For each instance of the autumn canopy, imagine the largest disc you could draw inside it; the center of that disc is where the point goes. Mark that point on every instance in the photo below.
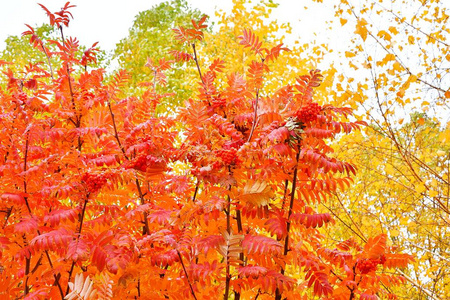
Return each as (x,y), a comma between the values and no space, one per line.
(217,163)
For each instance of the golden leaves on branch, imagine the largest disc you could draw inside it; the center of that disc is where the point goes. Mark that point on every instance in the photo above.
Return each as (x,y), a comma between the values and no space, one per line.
(231,248)
(81,289)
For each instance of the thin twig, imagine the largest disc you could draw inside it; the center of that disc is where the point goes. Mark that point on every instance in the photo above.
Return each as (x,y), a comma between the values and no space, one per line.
(48,59)
(80,228)
(146,228)
(186,274)
(196,62)
(278,293)
(196,191)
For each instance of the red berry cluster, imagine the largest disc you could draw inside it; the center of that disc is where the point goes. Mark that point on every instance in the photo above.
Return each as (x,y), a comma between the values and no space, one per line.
(308,112)
(228,156)
(139,163)
(20,98)
(93,182)
(368,265)
(218,102)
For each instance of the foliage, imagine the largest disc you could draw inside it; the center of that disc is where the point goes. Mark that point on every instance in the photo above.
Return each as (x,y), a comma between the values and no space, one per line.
(256,15)
(151,37)
(18,48)
(95,185)
(19,51)
(397,77)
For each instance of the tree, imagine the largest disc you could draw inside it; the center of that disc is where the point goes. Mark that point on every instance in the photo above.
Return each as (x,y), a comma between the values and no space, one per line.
(399,52)
(101,196)
(149,40)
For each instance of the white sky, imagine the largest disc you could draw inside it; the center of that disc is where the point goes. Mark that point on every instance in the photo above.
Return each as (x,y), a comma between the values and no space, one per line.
(108,21)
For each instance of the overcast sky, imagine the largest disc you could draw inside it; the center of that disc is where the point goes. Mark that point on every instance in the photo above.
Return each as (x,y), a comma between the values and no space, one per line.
(108,21)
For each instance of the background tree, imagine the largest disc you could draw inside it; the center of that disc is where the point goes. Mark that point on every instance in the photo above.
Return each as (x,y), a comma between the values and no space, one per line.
(396,75)
(151,37)
(18,48)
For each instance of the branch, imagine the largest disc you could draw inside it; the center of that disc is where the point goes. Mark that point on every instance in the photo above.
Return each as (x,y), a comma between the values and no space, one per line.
(48,59)
(196,191)
(186,274)
(255,116)
(78,117)
(345,224)
(256,111)
(278,293)
(80,220)
(196,62)
(145,229)
(228,275)
(116,135)
(427,292)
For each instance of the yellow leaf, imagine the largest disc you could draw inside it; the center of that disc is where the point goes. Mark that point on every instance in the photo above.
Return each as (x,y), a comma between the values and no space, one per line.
(394,232)
(425,103)
(421,121)
(349,54)
(412,78)
(411,39)
(384,34)
(257,193)
(434,183)
(389,57)
(433,193)
(343,21)
(389,169)
(361,29)
(397,66)
(421,188)
(445,136)
(393,30)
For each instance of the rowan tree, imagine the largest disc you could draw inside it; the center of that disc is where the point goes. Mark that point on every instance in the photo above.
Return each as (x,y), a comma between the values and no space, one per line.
(102,197)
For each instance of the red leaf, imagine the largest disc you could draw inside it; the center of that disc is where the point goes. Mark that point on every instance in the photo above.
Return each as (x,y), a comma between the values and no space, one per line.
(261,245)
(277,226)
(77,250)
(376,246)
(56,216)
(15,198)
(252,271)
(249,39)
(27,224)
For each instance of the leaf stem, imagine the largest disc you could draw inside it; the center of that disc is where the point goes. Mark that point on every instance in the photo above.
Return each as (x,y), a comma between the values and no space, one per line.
(196,191)
(186,274)
(255,116)
(48,59)
(78,117)
(196,62)
(116,135)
